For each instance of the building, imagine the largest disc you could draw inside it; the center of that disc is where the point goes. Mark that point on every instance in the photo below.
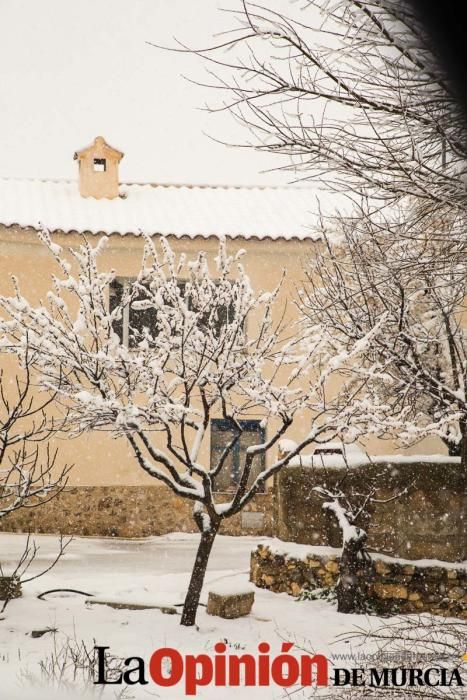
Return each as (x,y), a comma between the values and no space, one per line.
(109,493)
(269,223)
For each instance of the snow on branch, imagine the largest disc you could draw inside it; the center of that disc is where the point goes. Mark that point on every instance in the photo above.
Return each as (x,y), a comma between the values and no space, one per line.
(183,358)
(350,92)
(387,281)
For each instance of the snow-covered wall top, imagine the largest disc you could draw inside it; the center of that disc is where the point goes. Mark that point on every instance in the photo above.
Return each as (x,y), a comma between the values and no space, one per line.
(177,210)
(354,459)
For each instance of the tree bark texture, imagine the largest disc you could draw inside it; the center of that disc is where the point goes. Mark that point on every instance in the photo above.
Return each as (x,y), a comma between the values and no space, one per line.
(351,588)
(193,594)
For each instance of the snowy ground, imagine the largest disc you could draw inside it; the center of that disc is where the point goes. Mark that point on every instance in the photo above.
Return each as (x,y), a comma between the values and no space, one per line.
(153,570)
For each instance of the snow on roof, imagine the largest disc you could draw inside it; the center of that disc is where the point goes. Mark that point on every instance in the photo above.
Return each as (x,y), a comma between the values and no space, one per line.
(271,212)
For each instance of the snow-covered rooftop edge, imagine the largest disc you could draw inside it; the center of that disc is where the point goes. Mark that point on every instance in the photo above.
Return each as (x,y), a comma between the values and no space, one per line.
(178,210)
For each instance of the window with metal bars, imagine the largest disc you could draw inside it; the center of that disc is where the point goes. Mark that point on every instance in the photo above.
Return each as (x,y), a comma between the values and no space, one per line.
(130,328)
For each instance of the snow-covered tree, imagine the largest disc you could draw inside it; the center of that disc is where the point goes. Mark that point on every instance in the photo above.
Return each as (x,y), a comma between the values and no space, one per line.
(199,345)
(372,273)
(350,509)
(353,92)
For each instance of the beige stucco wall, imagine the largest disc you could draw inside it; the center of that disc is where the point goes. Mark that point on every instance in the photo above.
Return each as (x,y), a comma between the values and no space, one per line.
(99,459)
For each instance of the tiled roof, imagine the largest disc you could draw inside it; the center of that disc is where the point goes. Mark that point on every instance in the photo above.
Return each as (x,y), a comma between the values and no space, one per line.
(270,212)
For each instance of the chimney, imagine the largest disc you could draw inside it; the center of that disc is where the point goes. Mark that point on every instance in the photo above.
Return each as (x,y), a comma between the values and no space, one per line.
(98,170)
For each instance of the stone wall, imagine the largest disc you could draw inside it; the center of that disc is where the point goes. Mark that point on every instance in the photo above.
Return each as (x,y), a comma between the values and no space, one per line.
(427,522)
(131,511)
(391,586)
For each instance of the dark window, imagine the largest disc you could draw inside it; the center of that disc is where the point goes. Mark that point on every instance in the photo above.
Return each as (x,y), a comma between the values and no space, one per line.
(100,165)
(218,318)
(130,328)
(214,319)
(222,434)
(115,298)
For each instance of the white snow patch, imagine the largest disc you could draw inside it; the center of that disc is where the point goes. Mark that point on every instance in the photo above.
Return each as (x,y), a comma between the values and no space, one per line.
(155,568)
(262,212)
(360,459)
(292,550)
(231,586)
(285,445)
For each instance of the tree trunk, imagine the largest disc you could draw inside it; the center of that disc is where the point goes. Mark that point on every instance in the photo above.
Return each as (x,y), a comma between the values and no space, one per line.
(351,588)
(193,594)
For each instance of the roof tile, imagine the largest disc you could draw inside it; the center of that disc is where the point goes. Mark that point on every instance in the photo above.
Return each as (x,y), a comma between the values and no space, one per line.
(282,212)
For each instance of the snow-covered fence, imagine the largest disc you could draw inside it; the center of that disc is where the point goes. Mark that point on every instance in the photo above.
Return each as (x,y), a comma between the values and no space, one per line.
(391,585)
(425,522)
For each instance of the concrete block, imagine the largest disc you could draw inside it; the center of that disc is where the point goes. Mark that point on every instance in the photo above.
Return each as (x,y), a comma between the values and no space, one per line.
(230,605)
